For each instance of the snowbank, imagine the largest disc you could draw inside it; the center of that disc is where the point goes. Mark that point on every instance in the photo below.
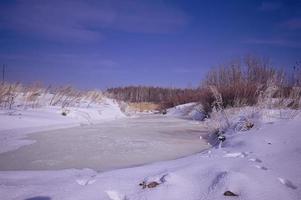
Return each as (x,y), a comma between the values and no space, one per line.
(262,163)
(16,124)
(188,111)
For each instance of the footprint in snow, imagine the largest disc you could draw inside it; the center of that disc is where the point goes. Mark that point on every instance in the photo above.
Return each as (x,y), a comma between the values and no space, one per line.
(114,195)
(260,167)
(287,183)
(236,155)
(218,180)
(86,177)
(255,160)
(85,182)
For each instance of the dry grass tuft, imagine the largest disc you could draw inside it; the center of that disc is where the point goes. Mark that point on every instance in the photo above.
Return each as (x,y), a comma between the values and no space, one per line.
(35,95)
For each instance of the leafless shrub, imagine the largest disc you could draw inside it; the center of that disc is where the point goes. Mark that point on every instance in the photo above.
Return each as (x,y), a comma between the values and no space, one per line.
(295,96)
(58,95)
(290,97)
(218,104)
(93,97)
(277,96)
(296,74)
(65,96)
(70,97)
(33,94)
(245,83)
(260,71)
(206,98)
(3,92)
(8,94)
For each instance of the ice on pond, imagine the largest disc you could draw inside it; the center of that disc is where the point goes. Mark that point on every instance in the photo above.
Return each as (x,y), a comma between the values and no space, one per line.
(116,144)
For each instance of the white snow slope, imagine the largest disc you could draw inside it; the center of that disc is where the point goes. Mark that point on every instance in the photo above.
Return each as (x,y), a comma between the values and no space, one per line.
(191,111)
(262,163)
(17,123)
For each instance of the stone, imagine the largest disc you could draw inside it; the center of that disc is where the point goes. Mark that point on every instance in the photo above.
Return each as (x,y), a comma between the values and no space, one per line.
(229,193)
(152,184)
(221,138)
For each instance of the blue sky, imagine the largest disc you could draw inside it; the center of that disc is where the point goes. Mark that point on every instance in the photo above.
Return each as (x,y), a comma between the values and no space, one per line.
(100,44)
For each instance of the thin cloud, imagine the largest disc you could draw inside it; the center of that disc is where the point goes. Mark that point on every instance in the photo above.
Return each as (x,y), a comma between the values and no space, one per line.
(86,20)
(69,60)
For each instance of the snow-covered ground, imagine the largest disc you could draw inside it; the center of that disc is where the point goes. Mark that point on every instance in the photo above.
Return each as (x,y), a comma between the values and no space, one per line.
(17,123)
(191,111)
(261,163)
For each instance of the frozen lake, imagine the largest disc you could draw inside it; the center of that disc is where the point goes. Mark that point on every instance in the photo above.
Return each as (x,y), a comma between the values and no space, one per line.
(105,146)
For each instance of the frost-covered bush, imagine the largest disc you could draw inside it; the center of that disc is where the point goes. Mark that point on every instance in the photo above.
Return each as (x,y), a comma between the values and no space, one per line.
(249,82)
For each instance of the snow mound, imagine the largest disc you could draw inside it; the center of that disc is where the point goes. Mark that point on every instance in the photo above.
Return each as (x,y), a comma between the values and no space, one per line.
(191,111)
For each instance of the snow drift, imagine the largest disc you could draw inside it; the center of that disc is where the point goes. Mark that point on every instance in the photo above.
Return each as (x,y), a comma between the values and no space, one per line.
(188,111)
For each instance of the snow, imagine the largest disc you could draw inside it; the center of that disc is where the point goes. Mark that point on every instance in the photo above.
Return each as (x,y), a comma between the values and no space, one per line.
(188,111)
(17,123)
(260,163)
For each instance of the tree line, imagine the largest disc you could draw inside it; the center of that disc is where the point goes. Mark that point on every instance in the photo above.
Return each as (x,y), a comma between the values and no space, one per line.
(166,97)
